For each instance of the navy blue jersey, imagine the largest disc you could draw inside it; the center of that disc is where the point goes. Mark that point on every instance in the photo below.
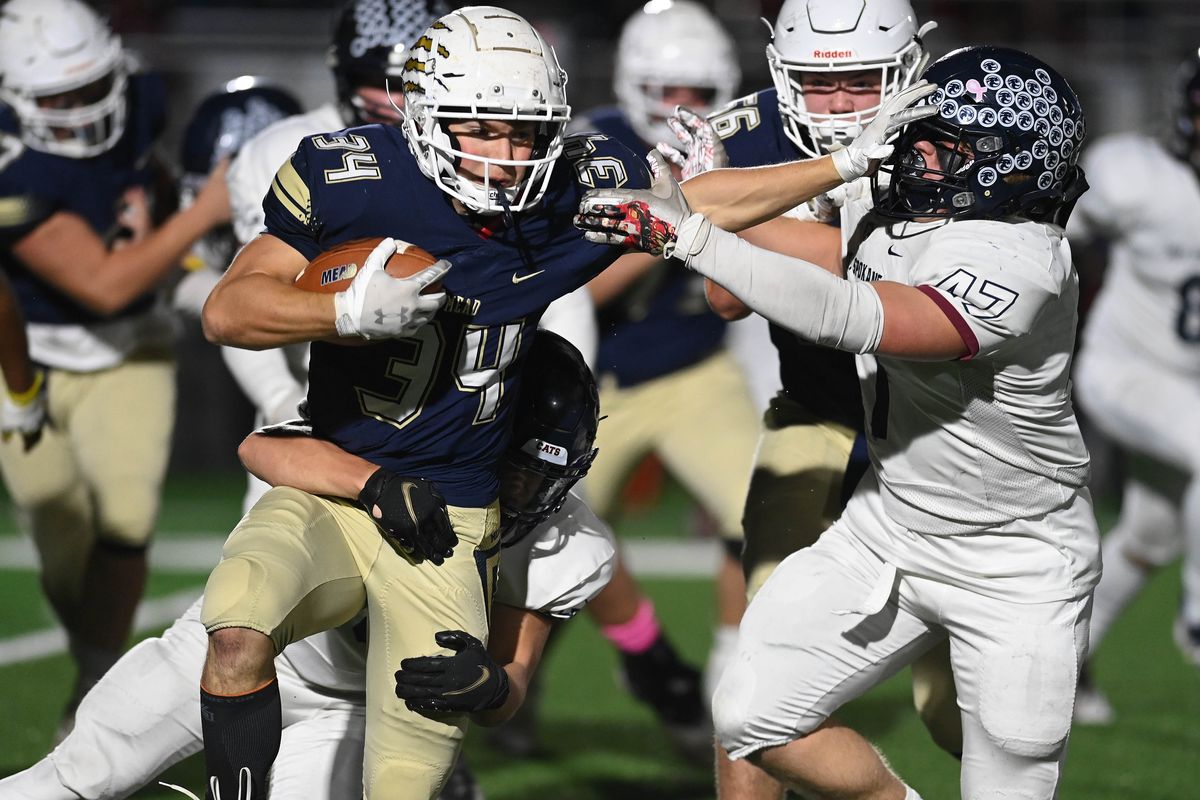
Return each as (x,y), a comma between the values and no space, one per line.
(35,185)
(661,323)
(822,380)
(437,405)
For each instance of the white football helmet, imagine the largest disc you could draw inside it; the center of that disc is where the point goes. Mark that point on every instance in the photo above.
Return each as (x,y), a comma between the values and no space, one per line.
(672,43)
(64,73)
(483,62)
(823,36)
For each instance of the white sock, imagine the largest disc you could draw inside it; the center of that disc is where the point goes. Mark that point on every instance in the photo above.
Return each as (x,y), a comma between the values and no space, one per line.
(911,793)
(723,648)
(1120,583)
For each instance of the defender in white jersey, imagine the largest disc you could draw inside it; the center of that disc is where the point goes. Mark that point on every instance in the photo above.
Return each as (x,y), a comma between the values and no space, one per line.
(1138,374)
(975,522)
(143,716)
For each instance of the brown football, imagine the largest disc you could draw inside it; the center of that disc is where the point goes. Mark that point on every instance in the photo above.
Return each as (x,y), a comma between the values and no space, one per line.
(333,270)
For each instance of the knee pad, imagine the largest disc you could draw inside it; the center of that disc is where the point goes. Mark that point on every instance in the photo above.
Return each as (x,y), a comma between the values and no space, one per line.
(1027,691)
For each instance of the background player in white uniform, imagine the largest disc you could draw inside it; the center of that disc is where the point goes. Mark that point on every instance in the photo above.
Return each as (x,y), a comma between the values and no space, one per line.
(87,238)
(142,717)
(1138,374)
(976,521)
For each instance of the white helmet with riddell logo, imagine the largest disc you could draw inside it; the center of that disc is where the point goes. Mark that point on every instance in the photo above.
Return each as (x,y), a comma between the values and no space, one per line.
(672,43)
(485,63)
(63,72)
(830,36)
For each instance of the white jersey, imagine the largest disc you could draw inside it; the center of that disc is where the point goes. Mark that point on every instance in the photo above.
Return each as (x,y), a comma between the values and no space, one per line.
(1146,203)
(971,445)
(250,175)
(555,570)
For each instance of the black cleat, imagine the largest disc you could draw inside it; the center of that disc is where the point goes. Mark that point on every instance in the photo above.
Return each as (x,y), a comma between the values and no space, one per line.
(673,690)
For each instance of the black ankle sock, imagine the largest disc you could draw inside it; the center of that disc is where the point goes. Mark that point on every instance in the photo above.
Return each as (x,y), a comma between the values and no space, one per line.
(240,732)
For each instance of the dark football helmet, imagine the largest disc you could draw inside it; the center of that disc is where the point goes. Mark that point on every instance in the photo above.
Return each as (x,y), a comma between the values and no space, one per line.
(553,434)
(370,45)
(221,124)
(1007,137)
(1185,107)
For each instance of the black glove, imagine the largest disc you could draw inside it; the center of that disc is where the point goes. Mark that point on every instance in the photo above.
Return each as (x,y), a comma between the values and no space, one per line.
(465,682)
(411,515)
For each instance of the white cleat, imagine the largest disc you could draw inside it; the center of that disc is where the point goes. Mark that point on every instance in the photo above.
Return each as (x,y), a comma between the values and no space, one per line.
(1187,639)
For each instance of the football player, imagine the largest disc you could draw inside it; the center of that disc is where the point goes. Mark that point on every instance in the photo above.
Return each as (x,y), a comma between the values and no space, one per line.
(24,406)
(142,717)
(482,148)
(811,451)
(975,521)
(369,46)
(87,238)
(661,347)
(1140,361)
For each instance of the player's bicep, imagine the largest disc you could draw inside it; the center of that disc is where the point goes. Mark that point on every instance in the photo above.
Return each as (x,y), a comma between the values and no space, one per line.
(919,325)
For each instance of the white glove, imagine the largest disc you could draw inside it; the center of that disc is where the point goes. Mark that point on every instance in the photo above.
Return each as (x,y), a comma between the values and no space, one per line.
(378,306)
(702,148)
(856,159)
(25,412)
(644,219)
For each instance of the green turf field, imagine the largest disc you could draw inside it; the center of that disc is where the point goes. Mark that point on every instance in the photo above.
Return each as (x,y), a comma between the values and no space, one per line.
(601,744)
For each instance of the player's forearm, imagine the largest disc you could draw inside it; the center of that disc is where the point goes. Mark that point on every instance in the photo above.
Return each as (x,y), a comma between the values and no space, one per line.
(736,199)
(518,688)
(257,311)
(620,275)
(311,465)
(14,348)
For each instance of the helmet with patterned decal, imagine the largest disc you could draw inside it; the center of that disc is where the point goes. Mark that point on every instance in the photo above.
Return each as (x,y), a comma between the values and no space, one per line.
(1006,138)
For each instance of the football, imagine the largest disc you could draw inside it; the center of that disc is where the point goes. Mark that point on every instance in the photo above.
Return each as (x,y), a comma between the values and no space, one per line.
(334,269)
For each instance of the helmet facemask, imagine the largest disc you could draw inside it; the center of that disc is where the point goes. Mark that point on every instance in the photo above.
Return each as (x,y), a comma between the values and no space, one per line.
(443,153)
(533,489)
(81,120)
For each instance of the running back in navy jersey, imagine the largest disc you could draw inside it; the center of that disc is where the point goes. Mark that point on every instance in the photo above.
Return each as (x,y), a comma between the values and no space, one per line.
(437,405)
(36,185)
(822,380)
(662,323)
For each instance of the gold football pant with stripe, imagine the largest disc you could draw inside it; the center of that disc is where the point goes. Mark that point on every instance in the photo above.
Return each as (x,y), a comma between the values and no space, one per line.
(795,494)
(97,473)
(298,564)
(699,420)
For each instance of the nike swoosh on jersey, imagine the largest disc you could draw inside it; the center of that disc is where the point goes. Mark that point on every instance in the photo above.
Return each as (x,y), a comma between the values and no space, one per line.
(484,674)
(518,278)
(893,253)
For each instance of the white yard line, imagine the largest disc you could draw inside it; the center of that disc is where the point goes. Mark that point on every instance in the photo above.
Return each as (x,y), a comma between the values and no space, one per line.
(198,552)
(152,614)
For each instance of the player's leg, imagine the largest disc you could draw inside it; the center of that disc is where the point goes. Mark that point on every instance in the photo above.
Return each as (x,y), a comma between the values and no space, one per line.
(121,435)
(707,442)
(287,571)
(626,616)
(321,749)
(409,755)
(137,721)
(1015,668)
(831,622)
(795,495)
(936,700)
